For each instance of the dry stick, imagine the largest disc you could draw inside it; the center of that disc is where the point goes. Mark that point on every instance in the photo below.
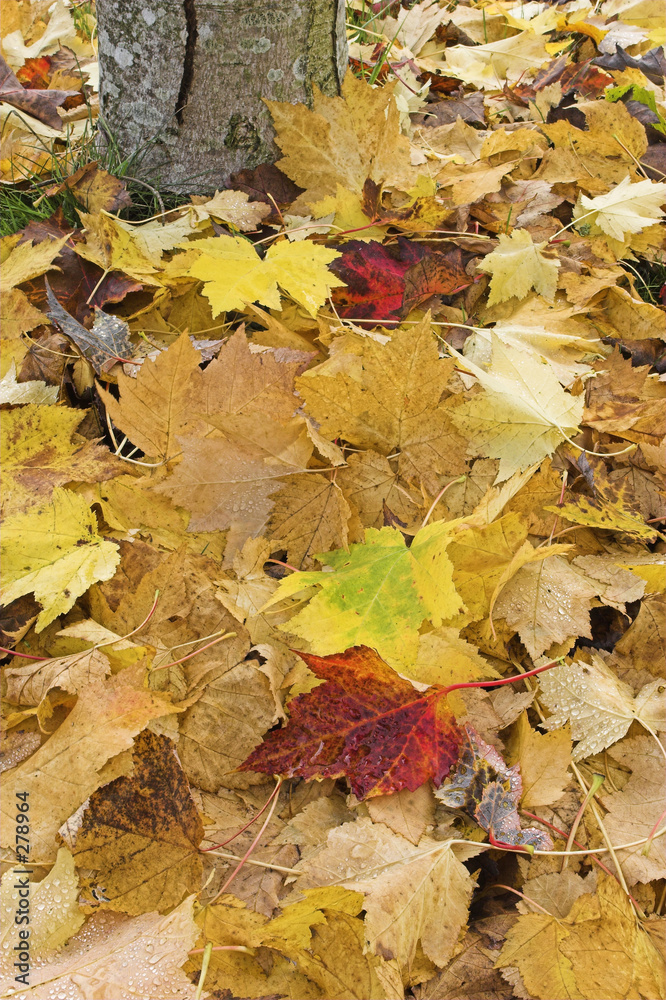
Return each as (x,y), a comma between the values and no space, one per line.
(250,848)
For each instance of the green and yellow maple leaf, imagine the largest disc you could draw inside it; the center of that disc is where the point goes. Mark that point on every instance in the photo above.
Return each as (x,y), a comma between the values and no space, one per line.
(378,594)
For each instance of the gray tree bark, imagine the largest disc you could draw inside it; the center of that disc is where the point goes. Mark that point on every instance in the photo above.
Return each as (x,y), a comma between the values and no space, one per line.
(182,81)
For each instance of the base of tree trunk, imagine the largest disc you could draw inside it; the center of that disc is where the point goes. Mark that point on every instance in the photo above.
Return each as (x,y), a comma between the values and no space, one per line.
(182,81)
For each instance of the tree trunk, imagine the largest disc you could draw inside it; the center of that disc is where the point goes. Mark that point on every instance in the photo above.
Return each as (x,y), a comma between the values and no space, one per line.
(182,81)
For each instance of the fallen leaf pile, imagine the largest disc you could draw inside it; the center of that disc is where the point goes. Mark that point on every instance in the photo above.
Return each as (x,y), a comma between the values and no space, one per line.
(298,477)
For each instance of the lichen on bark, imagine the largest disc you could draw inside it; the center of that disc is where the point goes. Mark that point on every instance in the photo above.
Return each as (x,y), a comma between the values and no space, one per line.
(183,81)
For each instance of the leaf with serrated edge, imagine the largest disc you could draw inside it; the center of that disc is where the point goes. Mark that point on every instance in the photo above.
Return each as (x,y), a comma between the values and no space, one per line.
(599,706)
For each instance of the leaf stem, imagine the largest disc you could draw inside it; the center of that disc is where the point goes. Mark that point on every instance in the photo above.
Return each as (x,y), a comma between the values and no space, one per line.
(504,680)
(249,823)
(26,656)
(460,479)
(207,951)
(251,847)
(227,635)
(597,782)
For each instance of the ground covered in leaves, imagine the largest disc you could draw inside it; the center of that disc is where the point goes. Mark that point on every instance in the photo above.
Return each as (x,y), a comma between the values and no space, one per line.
(298,476)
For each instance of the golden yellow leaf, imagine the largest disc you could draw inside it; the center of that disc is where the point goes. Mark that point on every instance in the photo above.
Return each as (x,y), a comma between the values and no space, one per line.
(598,950)
(422,899)
(310,515)
(388,400)
(113,248)
(41,453)
(54,551)
(28,261)
(543,759)
(156,405)
(489,66)
(234,274)
(18,315)
(443,657)
(53,912)
(342,141)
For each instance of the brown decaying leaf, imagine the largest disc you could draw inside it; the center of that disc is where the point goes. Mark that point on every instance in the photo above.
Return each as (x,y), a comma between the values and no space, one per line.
(400,465)
(140,834)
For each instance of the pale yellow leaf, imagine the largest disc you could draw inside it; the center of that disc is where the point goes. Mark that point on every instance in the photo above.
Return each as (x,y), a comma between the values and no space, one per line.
(518,265)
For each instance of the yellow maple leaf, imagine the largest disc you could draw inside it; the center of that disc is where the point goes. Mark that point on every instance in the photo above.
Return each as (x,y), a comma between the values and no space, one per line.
(627,208)
(518,265)
(27,261)
(54,912)
(544,759)
(403,902)
(234,274)
(598,950)
(522,416)
(155,406)
(109,245)
(387,397)
(40,453)
(343,141)
(55,552)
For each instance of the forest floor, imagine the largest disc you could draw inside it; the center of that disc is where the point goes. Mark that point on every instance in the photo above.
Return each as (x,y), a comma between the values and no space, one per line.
(333,526)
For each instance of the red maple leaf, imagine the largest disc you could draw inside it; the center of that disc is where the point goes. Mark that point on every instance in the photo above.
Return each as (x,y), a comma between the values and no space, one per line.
(385,283)
(366,724)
